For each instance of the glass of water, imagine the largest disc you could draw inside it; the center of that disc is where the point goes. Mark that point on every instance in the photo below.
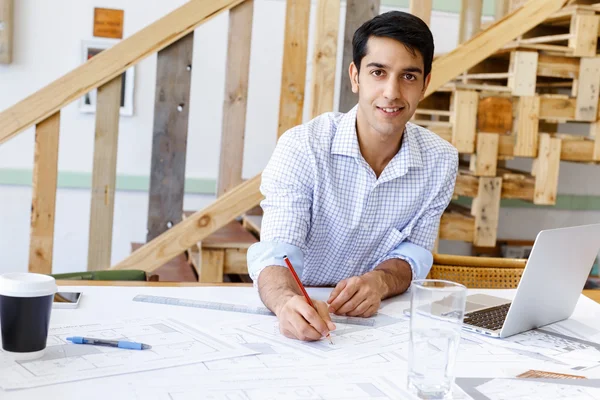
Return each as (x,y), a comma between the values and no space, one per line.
(437,309)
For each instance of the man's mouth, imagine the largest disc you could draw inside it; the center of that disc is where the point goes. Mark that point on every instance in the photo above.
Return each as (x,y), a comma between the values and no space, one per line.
(391,110)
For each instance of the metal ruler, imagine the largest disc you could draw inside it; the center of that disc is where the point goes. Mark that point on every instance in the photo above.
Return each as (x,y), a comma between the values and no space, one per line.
(211,305)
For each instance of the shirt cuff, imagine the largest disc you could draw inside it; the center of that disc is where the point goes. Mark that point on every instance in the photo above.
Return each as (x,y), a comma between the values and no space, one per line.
(419,258)
(264,254)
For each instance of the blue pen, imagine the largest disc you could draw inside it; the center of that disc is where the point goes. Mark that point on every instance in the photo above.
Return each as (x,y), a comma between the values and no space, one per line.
(122,344)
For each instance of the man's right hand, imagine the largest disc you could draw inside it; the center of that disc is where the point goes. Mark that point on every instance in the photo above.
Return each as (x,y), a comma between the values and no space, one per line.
(298,320)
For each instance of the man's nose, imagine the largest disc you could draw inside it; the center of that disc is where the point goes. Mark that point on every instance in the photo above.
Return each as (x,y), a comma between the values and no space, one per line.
(392,90)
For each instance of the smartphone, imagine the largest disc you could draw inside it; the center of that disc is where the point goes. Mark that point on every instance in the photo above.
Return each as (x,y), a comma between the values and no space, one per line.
(66,300)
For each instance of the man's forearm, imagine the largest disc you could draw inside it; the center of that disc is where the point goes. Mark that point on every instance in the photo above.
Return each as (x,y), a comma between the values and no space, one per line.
(393,276)
(275,286)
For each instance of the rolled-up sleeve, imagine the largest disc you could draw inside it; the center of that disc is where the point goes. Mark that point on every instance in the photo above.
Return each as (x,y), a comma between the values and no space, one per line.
(287,184)
(416,249)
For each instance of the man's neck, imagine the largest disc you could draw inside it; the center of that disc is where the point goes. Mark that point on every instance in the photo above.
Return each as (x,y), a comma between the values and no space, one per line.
(377,150)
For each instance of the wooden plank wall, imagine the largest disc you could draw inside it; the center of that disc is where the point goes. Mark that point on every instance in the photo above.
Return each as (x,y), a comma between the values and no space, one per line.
(6,31)
(104,175)
(357,12)
(45,172)
(293,74)
(236,96)
(169,136)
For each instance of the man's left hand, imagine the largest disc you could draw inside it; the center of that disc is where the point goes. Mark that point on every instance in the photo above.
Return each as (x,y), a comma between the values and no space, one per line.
(359,296)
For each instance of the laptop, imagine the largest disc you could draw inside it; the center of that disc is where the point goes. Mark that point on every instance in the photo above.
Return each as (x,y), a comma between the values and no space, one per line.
(554,276)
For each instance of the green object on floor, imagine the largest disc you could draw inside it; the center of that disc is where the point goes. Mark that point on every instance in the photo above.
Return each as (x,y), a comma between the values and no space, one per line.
(120,275)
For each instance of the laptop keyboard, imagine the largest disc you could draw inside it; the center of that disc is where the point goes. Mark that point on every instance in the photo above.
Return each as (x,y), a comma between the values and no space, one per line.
(491,318)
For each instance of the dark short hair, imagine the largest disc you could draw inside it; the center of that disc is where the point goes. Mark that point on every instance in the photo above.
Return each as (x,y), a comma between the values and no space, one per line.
(406,28)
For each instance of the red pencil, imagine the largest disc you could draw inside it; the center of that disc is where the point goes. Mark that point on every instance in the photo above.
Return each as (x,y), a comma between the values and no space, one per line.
(301,286)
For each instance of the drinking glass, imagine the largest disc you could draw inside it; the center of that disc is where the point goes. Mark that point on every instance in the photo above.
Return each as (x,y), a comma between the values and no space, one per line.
(437,310)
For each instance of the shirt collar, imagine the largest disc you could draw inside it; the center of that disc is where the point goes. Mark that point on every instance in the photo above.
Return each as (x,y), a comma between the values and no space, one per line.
(409,156)
(345,142)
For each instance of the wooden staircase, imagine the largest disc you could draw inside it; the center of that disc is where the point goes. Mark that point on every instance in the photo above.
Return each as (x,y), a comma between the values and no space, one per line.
(170,235)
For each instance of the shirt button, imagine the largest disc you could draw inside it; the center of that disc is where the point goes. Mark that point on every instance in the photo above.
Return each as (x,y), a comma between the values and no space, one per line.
(365,226)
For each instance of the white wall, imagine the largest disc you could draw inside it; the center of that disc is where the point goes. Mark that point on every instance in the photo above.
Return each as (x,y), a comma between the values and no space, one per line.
(47,44)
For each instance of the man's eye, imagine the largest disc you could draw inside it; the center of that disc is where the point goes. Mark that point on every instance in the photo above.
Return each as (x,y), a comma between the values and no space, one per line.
(410,77)
(377,72)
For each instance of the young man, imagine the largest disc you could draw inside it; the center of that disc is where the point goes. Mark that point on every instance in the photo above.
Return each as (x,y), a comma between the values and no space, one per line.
(354,200)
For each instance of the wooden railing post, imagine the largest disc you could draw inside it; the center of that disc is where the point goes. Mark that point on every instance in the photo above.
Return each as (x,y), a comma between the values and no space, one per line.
(6,31)
(169,136)
(422,9)
(357,13)
(325,57)
(104,174)
(45,171)
(470,19)
(236,96)
(293,74)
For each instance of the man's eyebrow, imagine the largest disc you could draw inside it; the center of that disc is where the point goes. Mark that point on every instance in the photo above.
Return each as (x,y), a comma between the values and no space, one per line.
(377,65)
(413,69)
(407,69)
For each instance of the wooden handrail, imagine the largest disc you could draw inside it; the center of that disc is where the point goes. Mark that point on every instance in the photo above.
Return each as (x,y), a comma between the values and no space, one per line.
(195,228)
(247,195)
(108,64)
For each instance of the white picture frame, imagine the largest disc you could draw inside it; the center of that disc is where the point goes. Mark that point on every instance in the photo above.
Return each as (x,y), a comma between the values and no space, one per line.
(87,103)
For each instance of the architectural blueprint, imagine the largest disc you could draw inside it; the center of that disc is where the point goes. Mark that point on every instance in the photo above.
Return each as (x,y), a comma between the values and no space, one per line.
(294,384)
(525,389)
(173,344)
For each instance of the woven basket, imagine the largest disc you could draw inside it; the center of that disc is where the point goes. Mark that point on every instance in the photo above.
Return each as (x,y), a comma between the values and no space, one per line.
(478,272)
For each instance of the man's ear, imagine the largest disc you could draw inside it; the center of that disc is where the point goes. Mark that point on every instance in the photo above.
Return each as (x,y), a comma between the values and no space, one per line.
(425,85)
(353,73)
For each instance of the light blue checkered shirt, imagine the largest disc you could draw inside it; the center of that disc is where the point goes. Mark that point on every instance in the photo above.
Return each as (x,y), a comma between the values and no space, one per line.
(327,211)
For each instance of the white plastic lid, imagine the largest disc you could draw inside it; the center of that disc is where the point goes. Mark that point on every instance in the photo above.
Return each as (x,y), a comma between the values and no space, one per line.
(27,285)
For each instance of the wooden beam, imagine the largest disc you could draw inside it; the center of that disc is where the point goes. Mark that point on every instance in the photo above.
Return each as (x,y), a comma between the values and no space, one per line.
(487,42)
(523,69)
(45,171)
(211,266)
(527,126)
(470,19)
(6,31)
(464,120)
(557,108)
(586,108)
(357,13)
(584,31)
(169,136)
(325,57)
(195,228)
(104,175)
(486,158)
(293,74)
(557,66)
(236,96)
(457,224)
(109,64)
(486,210)
(422,9)
(546,170)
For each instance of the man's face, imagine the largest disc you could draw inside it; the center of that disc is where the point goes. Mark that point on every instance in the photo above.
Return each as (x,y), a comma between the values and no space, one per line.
(390,85)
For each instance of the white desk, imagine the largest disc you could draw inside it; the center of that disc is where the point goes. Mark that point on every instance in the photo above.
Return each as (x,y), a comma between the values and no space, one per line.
(100,303)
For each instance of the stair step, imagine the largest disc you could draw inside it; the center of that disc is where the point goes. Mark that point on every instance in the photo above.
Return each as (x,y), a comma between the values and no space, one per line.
(176,270)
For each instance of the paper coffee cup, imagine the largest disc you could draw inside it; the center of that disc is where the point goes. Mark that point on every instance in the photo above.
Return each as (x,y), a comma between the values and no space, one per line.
(25,308)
